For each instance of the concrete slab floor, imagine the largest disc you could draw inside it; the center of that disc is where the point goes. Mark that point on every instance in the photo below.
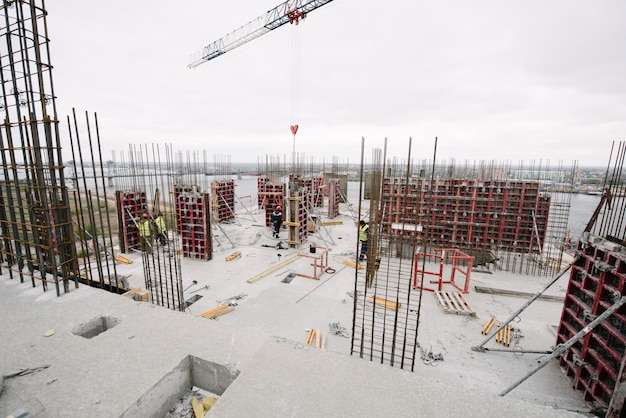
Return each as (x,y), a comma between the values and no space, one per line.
(262,342)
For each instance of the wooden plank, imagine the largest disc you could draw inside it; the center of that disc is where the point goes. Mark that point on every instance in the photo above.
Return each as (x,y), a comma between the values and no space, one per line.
(352,264)
(385,303)
(217,311)
(234,256)
(123,259)
(441,302)
(516,293)
(462,303)
(272,269)
(132,292)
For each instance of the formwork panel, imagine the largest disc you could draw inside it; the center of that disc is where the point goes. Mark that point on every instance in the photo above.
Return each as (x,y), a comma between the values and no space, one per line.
(597,281)
(193,220)
(131,205)
(270,194)
(334,197)
(223,200)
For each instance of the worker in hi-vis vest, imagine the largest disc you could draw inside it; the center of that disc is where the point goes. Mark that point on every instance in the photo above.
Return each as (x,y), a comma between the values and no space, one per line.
(363,235)
(145,233)
(161,228)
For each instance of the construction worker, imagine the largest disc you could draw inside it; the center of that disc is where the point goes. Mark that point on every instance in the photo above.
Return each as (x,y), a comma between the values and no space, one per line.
(363,236)
(145,233)
(161,228)
(277,220)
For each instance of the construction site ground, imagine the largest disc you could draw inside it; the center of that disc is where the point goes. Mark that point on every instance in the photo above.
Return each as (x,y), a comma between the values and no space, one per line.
(264,339)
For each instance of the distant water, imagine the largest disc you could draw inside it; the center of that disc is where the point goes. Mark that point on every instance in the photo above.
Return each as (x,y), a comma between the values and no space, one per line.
(581,210)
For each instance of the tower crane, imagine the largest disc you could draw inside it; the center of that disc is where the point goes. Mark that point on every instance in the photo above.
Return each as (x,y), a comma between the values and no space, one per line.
(291,11)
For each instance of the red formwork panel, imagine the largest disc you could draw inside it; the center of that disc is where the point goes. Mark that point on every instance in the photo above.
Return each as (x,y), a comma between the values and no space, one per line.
(315,194)
(467,212)
(131,205)
(597,280)
(193,220)
(270,194)
(223,200)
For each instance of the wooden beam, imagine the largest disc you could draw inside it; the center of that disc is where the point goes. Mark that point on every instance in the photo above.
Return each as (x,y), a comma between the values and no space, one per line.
(272,269)
(384,302)
(515,293)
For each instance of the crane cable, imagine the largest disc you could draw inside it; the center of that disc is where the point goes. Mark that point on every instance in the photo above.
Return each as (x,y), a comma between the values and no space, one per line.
(295,84)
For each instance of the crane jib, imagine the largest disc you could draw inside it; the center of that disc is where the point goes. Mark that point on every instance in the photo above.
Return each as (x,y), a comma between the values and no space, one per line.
(286,12)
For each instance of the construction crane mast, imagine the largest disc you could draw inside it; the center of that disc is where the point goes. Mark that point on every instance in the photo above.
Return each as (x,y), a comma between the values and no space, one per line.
(291,11)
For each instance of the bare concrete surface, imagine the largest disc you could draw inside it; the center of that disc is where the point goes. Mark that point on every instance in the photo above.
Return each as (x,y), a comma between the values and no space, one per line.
(255,356)
(106,375)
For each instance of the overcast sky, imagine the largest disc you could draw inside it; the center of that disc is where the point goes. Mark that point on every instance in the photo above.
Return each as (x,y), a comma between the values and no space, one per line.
(493,80)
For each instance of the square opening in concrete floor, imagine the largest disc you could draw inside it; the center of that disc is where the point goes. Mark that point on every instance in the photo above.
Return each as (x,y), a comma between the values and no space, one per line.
(189,373)
(95,327)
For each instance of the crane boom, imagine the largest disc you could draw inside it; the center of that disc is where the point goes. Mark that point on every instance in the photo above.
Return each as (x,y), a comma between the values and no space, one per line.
(288,12)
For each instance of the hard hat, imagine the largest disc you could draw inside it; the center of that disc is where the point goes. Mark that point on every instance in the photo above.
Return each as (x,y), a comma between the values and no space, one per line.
(278,207)
(362,222)
(145,215)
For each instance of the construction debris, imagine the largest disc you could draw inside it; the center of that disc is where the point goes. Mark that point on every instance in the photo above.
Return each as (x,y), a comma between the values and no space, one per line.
(196,402)
(429,358)
(231,300)
(336,328)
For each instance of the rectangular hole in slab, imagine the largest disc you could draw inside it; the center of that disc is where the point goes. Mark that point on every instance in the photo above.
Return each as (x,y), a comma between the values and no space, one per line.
(192,300)
(95,327)
(192,374)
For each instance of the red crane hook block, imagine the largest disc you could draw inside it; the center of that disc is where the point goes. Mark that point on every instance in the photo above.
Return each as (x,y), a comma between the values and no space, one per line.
(294,129)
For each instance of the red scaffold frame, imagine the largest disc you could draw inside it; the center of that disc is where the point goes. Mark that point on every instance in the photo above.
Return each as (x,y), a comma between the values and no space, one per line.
(320,261)
(442,254)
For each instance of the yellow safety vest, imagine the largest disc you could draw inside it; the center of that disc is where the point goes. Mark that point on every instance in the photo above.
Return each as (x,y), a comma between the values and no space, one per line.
(363,232)
(160,224)
(144,229)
